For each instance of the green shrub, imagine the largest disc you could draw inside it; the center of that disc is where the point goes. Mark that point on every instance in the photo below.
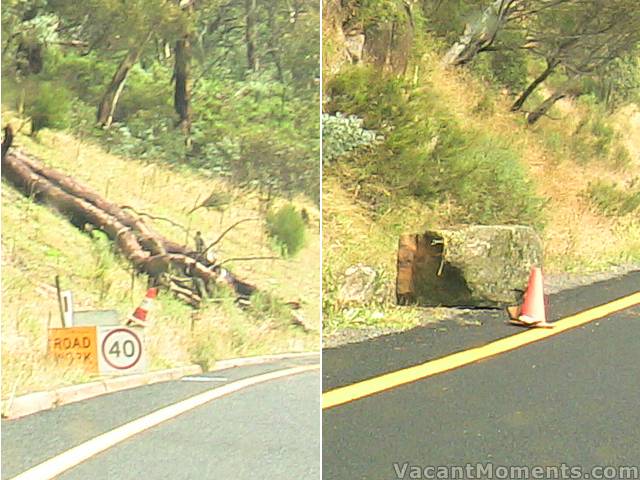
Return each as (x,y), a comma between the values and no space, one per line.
(510,70)
(366,93)
(48,106)
(509,65)
(506,67)
(617,84)
(86,76)
(286,228)
(146,90)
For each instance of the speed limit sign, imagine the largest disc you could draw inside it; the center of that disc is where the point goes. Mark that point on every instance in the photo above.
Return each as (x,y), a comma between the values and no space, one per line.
(121,350)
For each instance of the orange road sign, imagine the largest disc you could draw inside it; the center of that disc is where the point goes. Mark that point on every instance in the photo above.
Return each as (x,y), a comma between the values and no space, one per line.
(75,346)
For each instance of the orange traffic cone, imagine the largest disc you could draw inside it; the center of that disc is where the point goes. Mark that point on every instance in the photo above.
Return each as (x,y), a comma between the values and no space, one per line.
(139,317)
(533,313)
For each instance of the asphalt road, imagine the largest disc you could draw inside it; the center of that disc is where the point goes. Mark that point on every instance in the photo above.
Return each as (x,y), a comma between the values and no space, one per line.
(572,399)
(268,430)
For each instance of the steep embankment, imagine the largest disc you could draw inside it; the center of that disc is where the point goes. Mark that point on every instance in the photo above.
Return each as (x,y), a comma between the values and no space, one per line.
(38,244)
(583,165)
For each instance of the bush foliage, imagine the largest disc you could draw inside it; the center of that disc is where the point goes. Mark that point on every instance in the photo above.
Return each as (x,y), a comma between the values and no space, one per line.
(48,104)
(342,134)
(287,229)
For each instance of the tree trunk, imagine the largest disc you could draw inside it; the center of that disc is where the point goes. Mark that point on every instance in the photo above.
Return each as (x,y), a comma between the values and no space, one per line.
(112,94)
(517,105)
(250,34)
(30,58)
(545,106)
(479,35)
(274,49)
(148,251)
(182,96)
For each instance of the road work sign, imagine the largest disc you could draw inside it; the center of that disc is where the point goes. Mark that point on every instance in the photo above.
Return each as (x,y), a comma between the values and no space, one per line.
(112,350)
(75,346)
(121,350)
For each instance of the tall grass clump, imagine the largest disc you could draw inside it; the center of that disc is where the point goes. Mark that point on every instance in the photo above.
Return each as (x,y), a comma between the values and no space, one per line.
(612,200)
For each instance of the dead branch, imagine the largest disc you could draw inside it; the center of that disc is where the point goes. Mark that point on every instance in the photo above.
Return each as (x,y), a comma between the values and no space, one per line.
(153,217)
(221,236)
(245,259)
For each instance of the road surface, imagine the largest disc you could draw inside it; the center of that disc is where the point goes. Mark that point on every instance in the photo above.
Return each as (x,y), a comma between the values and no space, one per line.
(572,398)
(269,429)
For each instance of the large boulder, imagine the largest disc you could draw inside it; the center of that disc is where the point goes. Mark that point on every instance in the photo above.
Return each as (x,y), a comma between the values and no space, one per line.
(472,266)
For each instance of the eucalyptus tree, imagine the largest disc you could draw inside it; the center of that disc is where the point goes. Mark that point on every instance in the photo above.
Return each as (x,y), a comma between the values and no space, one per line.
(579,39)
(122,30)
(491,19)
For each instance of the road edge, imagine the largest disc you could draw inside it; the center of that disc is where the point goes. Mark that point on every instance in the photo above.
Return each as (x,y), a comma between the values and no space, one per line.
(23,405)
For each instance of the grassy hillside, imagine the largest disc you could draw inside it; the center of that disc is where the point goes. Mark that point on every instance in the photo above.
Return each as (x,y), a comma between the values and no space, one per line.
(38,243)
(449,151)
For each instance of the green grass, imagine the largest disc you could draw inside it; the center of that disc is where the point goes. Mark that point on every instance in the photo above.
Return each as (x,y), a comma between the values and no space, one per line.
(428,155)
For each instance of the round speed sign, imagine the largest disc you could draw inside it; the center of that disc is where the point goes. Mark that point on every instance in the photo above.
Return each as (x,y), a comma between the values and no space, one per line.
(121,348)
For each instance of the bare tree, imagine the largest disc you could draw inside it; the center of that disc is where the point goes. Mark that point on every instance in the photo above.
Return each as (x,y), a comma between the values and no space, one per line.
(581,38)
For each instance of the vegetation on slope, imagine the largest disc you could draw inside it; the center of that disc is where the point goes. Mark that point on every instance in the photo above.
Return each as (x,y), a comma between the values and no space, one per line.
(157,105)
(38,244)
(449,149)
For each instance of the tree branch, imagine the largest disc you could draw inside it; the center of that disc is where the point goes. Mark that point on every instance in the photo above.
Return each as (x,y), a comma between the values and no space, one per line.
(217,240)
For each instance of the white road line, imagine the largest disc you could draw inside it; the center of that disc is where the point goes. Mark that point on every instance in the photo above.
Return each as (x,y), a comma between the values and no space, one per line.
(203,379)
(66,460)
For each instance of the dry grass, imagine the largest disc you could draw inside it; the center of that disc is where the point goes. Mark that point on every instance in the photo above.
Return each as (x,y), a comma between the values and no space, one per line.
(577,237)
(38,244)
(350,236)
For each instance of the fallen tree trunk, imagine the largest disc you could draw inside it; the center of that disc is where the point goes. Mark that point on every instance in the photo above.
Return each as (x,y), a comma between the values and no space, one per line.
(148,251)
(149,239)
(77,209)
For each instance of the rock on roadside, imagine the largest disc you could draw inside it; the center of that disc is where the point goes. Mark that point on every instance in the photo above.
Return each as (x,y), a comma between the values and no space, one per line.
(472,266)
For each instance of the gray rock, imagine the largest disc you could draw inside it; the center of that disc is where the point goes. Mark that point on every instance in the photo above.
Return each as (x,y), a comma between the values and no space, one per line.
(354,43)
(357,286)
(473,266)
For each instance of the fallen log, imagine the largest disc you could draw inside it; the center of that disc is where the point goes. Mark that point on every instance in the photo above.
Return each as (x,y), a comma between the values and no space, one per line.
(148,251)
(149,239)
(40,189)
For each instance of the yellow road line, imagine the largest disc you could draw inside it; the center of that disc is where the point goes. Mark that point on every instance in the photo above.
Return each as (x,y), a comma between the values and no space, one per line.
(374,385)
(69,459)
